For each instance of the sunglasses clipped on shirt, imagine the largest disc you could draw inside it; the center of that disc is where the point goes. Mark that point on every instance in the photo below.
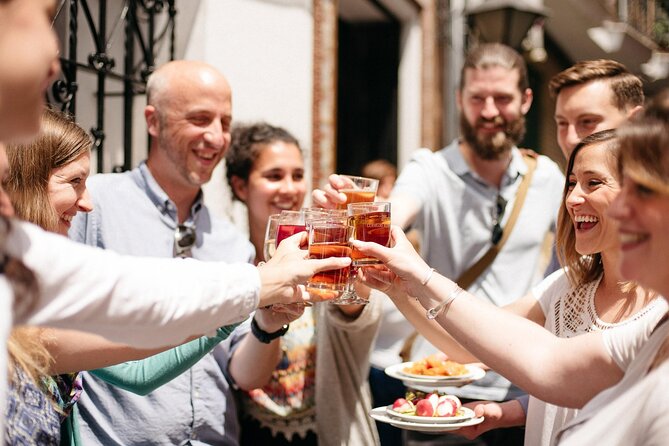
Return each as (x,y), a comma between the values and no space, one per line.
(498,215)
(184,240)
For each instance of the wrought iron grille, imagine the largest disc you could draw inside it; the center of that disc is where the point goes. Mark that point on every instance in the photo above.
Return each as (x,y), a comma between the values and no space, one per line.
(145,26)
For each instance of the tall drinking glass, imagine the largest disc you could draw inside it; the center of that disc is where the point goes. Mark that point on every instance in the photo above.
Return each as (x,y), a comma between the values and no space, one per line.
(328,237)
(370,222)
(357,190)
(311,214)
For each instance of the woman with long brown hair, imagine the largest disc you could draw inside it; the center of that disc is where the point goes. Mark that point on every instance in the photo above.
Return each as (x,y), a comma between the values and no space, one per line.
(583,303)
(636,410)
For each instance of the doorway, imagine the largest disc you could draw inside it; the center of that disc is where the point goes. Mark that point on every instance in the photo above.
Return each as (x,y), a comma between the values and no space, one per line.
(367,93)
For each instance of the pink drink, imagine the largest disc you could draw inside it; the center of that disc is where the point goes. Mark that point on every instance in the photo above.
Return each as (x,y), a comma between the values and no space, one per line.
(286,230)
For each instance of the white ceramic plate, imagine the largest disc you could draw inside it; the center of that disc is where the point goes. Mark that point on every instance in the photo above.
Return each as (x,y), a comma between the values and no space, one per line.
(379,414)
(467,414)
(401,370)
(431,382)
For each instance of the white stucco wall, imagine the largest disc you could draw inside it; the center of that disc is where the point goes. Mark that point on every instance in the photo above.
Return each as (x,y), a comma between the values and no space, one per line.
(264,48)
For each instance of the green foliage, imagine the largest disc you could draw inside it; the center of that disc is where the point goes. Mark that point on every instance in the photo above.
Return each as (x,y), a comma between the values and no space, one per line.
(661,30)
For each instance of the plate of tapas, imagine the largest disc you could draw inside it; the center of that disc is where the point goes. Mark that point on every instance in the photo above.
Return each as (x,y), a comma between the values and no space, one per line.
(435,371)
(426,412)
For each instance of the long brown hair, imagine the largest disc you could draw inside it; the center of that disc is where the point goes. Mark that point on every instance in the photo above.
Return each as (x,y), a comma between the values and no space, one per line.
(580,269)
(644,145)
(59,142)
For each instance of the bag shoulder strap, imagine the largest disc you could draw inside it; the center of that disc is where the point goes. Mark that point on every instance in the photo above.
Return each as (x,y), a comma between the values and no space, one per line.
(474,271)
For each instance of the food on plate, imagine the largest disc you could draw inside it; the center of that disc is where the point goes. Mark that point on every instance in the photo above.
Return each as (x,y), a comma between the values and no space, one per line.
(428,405)
(436,365)
(402,405)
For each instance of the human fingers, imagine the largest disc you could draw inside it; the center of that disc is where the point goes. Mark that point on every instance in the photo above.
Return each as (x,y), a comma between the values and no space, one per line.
(289,312)
(326,264)
(292,245)
(478,407)
(329,196)
(398,237)
(398,242)
(375,250)
(333,196)
(380,279)
(489,422)
(274,317)
(320,199)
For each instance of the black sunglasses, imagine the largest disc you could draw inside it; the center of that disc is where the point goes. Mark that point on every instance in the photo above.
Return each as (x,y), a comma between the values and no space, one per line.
(184,240)
(498,214)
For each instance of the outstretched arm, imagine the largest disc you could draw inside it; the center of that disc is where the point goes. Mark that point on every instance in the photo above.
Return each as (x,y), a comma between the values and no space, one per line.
(253,362)
(144,376)
(524,352)
(430,330)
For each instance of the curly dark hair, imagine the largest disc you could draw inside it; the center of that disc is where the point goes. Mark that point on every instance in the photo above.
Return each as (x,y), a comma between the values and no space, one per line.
(247,142)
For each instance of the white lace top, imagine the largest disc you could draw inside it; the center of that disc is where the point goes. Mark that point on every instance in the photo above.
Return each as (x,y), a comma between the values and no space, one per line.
(570,312)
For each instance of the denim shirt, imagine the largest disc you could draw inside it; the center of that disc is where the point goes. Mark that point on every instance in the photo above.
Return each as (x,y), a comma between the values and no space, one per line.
(133,215)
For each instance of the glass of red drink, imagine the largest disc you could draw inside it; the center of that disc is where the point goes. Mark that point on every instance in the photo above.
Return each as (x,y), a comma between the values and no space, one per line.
(290,223)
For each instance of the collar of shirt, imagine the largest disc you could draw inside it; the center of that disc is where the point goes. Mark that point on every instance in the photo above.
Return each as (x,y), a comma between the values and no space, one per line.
(142,176)
(459,166)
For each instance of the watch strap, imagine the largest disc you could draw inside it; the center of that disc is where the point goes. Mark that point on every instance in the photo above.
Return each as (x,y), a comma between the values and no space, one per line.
(265,337)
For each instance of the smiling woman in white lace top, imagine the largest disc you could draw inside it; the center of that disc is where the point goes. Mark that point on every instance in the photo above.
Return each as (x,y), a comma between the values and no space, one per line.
(588,295)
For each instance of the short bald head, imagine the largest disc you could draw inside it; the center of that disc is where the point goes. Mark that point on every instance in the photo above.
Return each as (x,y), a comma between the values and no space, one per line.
(188,116)
(171,78)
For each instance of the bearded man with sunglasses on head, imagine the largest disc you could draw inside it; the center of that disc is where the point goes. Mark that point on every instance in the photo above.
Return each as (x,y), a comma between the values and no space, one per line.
(157,210)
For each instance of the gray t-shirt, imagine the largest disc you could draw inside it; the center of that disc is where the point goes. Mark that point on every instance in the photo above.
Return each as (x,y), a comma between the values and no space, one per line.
(133,215)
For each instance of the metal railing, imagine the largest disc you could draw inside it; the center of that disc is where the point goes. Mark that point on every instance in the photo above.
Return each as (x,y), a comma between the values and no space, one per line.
(141,36)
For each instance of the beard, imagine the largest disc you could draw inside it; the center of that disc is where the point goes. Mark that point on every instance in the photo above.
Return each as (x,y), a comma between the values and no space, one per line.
(493,147)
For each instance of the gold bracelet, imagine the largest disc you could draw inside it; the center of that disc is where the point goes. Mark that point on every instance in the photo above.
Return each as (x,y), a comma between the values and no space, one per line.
(433,312)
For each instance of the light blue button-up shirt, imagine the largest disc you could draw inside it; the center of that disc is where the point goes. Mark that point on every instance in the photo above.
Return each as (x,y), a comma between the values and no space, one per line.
(133,215)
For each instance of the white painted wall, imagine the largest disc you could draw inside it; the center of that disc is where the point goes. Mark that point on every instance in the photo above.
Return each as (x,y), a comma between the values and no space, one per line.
(409,91)
(264,48)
